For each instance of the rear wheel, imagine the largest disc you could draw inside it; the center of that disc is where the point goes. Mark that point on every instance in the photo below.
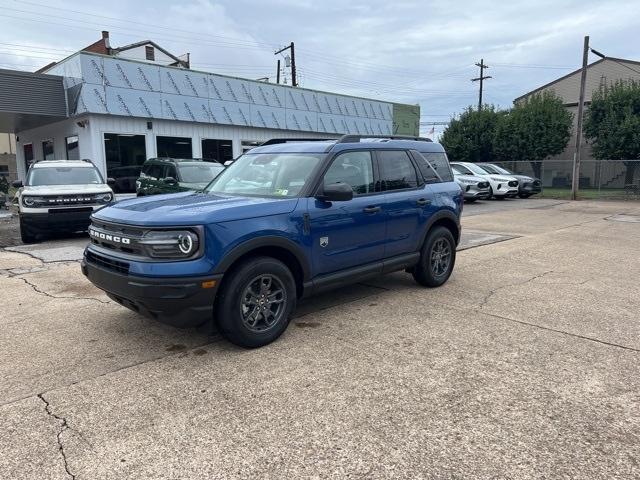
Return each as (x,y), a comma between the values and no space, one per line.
(255,302)
(437,258)
(25,235)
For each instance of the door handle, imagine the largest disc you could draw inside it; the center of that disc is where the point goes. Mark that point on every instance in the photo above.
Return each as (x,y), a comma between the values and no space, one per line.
(371,209)
(423,201)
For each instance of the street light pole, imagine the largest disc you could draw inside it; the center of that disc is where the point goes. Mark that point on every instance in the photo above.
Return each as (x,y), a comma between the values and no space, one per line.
(575,182)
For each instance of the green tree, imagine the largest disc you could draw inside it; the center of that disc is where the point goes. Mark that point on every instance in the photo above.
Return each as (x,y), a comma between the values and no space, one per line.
(469,138)
(533,130)
(612,124)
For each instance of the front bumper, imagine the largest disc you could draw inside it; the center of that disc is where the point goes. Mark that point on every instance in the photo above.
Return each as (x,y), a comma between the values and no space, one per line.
(530,188)
(179,301)
(472,192)
(63,219)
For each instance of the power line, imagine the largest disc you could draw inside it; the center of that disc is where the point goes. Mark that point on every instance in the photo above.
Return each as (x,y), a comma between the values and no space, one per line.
(145,24)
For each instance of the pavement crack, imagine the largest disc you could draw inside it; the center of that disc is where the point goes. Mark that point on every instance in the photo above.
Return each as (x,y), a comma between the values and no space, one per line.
(47,294)
(491,293)
(64,426)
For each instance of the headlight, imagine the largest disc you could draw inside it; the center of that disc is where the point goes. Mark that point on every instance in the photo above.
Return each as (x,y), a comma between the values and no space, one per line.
(171,244)
(104,197)
(29,201)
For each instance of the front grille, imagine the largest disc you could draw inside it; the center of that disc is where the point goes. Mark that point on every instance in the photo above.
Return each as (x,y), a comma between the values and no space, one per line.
(121,238)
(483,184)
(513,183)
(64,200)
(107,263)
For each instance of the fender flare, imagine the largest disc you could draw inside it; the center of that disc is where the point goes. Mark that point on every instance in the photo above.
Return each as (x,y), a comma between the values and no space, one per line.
(262,242)
(442,214)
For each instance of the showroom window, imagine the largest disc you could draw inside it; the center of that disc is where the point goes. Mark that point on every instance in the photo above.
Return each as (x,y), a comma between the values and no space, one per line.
(47,150)
(249,144)
(174,147)
(27,149)
(218,150)
(73,152)
(124,155)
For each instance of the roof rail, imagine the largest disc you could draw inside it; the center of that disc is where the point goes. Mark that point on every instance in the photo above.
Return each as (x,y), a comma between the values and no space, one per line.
(275,141)
(358,138)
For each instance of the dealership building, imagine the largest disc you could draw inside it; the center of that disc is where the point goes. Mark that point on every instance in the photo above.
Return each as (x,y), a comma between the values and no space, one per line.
(121,106)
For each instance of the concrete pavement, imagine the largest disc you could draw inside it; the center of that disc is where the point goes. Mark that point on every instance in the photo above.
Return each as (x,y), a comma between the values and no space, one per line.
(524,365)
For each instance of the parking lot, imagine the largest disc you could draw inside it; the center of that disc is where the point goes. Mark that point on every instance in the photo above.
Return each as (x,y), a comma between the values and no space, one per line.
(525,364)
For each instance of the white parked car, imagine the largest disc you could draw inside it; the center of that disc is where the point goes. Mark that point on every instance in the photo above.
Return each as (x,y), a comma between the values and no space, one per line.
(500,186)
(59,195)
(473,186)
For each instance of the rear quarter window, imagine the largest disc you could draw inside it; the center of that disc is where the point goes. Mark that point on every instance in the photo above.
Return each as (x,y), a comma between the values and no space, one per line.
(440,163)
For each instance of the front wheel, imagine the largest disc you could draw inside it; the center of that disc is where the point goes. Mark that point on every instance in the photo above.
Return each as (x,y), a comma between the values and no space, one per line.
(437,258)
(255,302)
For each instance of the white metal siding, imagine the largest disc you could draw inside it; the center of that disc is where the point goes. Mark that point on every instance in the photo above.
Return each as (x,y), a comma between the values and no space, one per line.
(91,137)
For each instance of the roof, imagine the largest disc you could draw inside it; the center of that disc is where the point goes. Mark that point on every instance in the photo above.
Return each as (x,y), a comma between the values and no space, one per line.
(324,146)
(155,45)
(53,163)
(558,80)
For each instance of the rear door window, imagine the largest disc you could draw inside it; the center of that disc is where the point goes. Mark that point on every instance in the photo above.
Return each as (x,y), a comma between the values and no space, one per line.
(396,170)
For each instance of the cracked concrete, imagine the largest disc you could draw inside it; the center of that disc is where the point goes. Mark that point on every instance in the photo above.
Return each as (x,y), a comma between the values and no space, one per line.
(524,365)
(63,428)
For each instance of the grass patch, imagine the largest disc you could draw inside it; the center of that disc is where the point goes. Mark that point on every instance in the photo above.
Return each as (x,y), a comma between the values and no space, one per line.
(589,194)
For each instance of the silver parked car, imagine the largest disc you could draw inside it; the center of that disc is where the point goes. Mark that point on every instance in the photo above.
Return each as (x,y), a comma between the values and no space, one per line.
(472,186)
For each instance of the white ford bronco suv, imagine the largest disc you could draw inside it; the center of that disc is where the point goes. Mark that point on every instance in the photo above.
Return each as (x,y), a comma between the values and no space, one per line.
(59,195)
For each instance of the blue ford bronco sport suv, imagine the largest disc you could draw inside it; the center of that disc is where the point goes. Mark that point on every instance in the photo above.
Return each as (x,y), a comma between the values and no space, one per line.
(284,221)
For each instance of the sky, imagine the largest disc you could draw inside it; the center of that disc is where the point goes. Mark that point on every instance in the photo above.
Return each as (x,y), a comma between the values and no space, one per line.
(416,52)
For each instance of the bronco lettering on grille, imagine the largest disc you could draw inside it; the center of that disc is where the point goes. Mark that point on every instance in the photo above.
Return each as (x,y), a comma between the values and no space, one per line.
(109,238)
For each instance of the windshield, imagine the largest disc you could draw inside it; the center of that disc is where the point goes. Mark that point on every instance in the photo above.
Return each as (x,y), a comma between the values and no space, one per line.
(490,168)
(460,170)
(267,174)
(477,169)
(63,176)
(502,170)
(199,172)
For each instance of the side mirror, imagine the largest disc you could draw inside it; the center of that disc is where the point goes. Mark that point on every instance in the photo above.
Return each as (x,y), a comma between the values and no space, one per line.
(111,181)
(169,180)
(17,184)
(336,192)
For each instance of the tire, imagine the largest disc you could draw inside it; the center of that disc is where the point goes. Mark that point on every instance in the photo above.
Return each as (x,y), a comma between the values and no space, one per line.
(490,193)
(524,195)
(242,291)
(430,274)
(25,235)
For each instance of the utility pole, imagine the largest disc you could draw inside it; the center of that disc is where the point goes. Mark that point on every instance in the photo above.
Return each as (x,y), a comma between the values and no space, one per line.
(292,47)
(481,79)
(575,181)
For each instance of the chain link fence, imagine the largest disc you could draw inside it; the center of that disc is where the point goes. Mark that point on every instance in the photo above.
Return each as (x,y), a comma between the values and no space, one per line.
(599,179)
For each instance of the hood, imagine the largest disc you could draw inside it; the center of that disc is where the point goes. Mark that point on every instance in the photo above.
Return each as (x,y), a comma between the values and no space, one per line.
(65,189)
(501,178)
(474,178)
(192,208)
(524,178)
